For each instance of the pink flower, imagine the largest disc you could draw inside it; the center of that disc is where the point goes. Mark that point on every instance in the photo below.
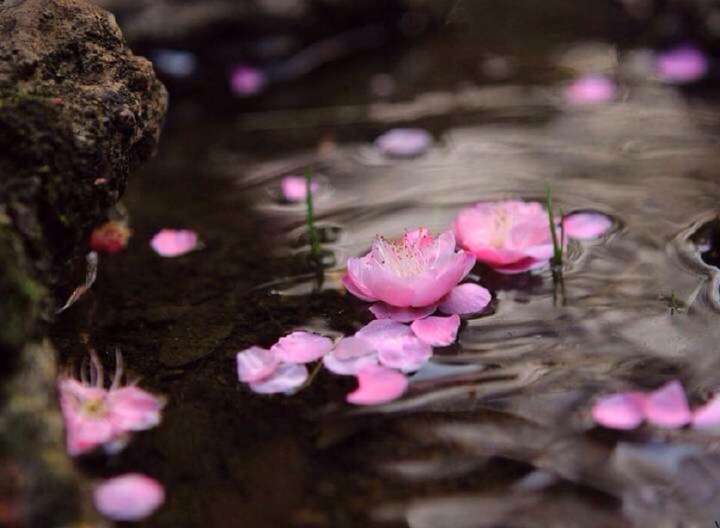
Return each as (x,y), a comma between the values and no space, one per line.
(404,142)
(95,416)
(130,497)
(246,81)
(294,188)
(174,242)
(681,65)
(282,368)
(110,237)
(377,385)
(666,407)
(514,236)
(412,276)
(590,89)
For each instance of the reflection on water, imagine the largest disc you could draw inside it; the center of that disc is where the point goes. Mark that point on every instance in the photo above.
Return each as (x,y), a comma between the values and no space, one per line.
(495,431)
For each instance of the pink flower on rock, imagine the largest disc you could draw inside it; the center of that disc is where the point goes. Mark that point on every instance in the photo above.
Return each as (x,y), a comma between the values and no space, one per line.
(294,188)
(130,497)
(514,236)
(174,242)
(95,416)
(111,237)
(412,276)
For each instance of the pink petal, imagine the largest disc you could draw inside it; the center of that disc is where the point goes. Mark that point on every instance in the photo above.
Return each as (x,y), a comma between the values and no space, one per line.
(301,347)
(620,411)
(668,406)
(350,355)
(246,81)
(680,65)
(84,434)
(130,497)
(356,290)
(174,242)
(255,363)
(522,266)
(382,310)
(404,142)
(708,416)
(591,89)
(378,385)
(409,356)
(287,378)
(586,226)
(437,331)
(133,409)
(466,299)
(294,188)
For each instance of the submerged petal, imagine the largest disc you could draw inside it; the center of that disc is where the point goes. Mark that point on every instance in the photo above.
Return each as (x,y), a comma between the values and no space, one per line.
(668,406)
(620,411)
(301,347)
(586,225)
(130,497)
(286,379)
(382,310)
(174,242)
(255,363)
(437,331)
(466,299)
(378,385)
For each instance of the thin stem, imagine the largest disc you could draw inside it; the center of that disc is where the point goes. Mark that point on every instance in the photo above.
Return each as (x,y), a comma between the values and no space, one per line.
(315,371)
(310,217)
(557,248)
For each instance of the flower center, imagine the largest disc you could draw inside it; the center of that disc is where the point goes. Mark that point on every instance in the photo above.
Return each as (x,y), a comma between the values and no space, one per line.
(93,408)
(402,258)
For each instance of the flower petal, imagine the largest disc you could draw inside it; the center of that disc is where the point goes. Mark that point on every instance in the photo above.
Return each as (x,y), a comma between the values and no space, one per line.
(129,497)
(668,406)
(350,355)
(133,409)
(354,289)
(301,347)
(620,411)
(708,416)
(286,379)
(382,310)
(255,363)
(378,385)
(409,356)
(404,142)
(437,331)
(294,188)
(586,225)
(174,242)
(466,298)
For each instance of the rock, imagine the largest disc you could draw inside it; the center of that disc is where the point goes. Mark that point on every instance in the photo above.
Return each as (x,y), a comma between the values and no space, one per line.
(78,111)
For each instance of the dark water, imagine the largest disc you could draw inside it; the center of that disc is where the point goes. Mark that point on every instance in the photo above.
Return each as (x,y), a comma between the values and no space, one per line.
(495,431)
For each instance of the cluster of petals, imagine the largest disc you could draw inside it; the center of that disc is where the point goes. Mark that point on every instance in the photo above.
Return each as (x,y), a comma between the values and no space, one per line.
(110,237)
(404,142)
(666,407)
(590,89)
(514,236)
(410,278)
(95,416)
(129,497)
(174,242)
(294,188)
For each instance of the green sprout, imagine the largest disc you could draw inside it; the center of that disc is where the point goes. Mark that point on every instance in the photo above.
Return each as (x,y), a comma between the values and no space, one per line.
(557,258)
(310,217)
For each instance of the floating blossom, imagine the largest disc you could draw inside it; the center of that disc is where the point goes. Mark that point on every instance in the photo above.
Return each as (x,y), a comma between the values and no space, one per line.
(412,276)
(174,242)
(513,236)
(681,65)
(590,89)
(404,142)
(130,497)
(110,237)
(378,385)
(95,416)
(246,81)
(294,188)
(282,368)
(666,407)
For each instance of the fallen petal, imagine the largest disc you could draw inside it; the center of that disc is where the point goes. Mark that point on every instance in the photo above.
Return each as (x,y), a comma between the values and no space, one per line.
(586,225)
(466,298)
(404,142)
(620,411)
(255,364)
(409,356)
(668,406)
(294,188)
(378,385)
(174,242)
(708,416)
(437,331)
(590,89)
(130,497)
(287,378)
(350,355)
(681,65)
(382,310)
(302,347)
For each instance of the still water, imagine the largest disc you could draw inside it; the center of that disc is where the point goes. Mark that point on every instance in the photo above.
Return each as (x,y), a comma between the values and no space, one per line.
(495,431)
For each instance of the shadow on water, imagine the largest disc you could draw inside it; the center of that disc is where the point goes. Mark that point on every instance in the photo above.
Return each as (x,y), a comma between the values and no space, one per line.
(495,430)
